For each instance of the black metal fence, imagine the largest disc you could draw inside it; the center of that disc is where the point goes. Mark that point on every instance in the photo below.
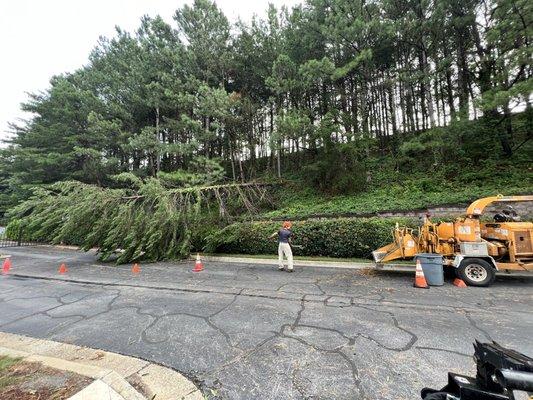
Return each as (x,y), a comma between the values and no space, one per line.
(10,239)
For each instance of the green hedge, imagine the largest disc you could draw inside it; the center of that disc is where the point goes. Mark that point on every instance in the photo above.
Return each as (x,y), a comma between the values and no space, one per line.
(340,237)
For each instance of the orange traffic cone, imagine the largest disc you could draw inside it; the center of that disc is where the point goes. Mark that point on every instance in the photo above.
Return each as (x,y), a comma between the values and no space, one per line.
(63,269)
(420,279)
(198,267)
(136,269)
(7,266)
(459,282)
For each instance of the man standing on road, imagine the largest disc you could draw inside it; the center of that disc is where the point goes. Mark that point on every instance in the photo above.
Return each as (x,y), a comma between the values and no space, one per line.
(284,247)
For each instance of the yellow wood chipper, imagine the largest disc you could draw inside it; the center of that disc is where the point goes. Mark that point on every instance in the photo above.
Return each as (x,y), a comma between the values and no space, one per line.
(476,249)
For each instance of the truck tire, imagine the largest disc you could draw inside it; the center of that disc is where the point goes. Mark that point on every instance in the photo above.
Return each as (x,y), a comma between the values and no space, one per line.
(476,272)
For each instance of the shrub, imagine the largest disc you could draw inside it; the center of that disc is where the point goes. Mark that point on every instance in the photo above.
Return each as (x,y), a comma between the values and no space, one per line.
(13,229)
(339,237)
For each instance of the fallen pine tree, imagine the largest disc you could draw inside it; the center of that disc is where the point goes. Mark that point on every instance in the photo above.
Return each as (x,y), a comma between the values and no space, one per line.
(145,221)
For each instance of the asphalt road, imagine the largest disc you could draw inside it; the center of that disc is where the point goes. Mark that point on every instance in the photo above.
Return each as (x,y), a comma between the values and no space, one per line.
(251,332)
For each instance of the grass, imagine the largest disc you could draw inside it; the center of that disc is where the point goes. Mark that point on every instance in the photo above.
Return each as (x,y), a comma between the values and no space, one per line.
(5,364)
(20,379)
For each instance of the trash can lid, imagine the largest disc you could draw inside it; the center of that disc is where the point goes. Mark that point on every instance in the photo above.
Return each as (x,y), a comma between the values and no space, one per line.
(428,255)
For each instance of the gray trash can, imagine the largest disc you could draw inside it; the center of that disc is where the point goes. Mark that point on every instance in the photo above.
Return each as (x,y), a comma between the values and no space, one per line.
(432,267)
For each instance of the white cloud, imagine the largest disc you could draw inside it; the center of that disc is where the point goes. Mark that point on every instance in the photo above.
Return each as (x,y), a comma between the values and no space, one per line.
(40,38)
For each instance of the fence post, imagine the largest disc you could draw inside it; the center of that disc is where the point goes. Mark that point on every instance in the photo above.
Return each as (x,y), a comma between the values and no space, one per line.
(19,241)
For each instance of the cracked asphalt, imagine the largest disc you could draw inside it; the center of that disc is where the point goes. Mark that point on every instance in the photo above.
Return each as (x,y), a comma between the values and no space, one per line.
(244,331)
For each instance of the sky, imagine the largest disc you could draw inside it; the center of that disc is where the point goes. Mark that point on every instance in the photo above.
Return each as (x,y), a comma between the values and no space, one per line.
(42,38)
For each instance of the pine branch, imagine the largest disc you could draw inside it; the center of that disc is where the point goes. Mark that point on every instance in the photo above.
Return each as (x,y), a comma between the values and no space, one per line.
(153,223)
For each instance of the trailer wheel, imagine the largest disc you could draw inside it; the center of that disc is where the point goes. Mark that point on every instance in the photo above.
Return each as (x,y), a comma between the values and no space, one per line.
(476,272)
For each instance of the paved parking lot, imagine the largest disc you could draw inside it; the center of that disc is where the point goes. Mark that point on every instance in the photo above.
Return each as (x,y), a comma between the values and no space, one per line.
(245,331)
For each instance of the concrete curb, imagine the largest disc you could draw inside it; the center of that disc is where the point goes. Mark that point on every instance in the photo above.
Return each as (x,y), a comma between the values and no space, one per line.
(389,267)
(339,264)
(310,263)
(268,261)
(61,246)
(115,370)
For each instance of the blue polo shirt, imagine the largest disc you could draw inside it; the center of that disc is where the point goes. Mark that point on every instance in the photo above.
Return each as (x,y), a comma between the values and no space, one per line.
(284,235)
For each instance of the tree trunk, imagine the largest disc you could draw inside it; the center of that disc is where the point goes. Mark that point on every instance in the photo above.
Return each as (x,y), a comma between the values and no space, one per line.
(232,157)
(158,153)
(392,107)
(449,85)
(462,77)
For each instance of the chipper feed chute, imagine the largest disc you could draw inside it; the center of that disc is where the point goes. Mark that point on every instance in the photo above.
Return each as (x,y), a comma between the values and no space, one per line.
(404,246)
(386,253)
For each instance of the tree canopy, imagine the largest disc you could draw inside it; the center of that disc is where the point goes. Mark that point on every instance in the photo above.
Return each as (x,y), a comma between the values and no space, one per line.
(201,100)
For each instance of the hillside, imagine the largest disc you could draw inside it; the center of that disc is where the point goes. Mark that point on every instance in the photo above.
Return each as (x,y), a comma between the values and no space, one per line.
(404,192)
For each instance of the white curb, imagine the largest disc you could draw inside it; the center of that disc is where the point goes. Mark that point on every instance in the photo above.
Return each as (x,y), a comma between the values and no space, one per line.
(110,368)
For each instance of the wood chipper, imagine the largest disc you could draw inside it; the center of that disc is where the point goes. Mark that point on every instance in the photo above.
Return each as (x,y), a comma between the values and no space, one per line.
(474,248)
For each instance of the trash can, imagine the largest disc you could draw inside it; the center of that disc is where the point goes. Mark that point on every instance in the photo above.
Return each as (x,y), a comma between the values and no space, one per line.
(432,267)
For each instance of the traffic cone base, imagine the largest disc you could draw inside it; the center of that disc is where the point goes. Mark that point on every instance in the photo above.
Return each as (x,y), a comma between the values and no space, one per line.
(459,283)
(420,279)
(63,269)
(6,266)
(136,269)
(198,266)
